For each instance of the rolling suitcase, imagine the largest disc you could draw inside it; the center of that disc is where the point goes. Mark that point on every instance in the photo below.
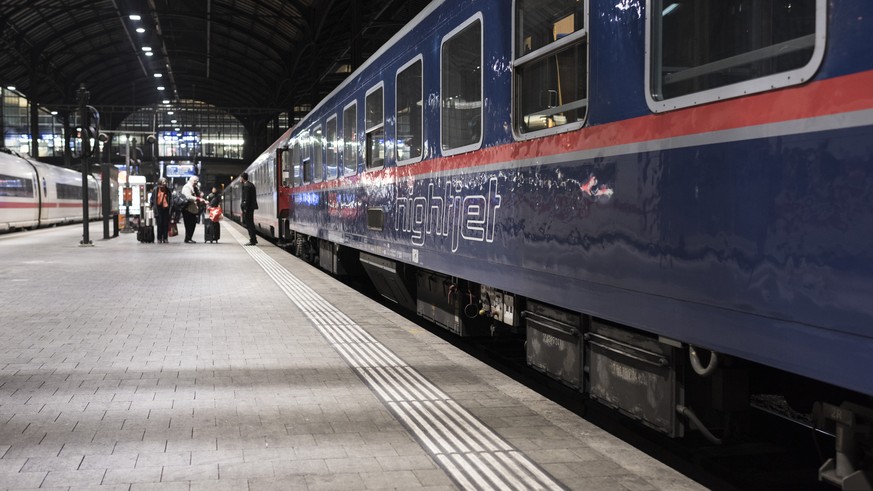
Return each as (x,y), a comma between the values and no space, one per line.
(211,231)
(146,232)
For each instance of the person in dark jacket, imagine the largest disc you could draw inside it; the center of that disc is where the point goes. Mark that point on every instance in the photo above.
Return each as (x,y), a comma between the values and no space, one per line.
(191,192)
(214,198)
(248,205)
(161,202)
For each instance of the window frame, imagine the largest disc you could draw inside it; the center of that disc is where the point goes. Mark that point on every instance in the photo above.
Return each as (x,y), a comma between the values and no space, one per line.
(580,36)
(416,59)
(747,87)
(337,157)
(317,153)
(354,104)
(285,165)
(371,129)
(305,157)
(296,169)
(477,17)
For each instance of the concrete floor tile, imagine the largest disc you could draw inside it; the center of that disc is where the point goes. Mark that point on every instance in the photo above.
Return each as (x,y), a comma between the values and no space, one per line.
(203,472)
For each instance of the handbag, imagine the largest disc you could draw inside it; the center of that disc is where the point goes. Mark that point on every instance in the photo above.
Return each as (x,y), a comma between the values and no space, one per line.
(215,213)
(173,231)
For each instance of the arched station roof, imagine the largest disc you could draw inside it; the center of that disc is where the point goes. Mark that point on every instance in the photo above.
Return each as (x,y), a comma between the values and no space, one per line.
(238,55)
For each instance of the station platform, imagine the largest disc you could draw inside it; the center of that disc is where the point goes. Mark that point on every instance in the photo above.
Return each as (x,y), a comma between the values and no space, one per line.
(218,366)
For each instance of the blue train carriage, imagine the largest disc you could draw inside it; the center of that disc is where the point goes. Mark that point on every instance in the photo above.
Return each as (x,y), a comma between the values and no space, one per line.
(668,199)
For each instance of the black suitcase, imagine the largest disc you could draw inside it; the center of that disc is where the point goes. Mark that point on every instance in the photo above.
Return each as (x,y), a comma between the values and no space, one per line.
(146,234)
(211,231)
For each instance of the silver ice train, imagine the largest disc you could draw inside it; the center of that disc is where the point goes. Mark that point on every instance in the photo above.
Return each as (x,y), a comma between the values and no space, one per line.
(35,194)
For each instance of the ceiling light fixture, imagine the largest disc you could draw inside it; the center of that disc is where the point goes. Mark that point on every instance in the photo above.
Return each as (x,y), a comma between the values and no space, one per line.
(159,75)
(146,48)
(135,17)
(140,30)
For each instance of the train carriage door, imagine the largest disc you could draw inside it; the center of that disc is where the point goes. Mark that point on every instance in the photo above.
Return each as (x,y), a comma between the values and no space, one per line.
(283,176)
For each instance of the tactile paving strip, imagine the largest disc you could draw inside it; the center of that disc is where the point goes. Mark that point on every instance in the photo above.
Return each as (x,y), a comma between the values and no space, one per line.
(473,455)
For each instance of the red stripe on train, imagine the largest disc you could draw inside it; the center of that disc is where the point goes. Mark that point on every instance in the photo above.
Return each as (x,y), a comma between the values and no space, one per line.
(827,97)
(33,205)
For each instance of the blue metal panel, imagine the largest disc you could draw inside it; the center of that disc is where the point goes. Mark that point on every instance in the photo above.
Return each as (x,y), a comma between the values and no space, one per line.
(752,244)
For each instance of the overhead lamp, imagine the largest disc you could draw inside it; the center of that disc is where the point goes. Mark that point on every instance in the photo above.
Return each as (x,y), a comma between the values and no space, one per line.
(165,101)
(10,87)
(159,75)
(149,53)
(177,129)
(134,17)
(140,30)
(160,87)
(54,113)
(146,48)
(170,112)
(173,121)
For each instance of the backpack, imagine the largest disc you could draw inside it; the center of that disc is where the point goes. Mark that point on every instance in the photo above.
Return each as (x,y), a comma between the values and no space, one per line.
(179,201)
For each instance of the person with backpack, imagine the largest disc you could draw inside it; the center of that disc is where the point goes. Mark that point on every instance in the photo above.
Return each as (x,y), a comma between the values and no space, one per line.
(191,192)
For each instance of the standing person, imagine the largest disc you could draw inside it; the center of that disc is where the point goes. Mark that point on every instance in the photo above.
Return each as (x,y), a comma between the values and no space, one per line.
(214,198)
(160,202)
(248,205)
(191,192)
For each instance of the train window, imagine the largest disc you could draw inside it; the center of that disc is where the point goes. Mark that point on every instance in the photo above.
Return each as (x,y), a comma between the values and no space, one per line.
(375,127)
(701,52)
(350,139)
(408,117)
(550,66)
(295,163)
(330,148)
(68,191)
(317,159)
(15,187)
(285,160)
(305,152)
(461,88)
